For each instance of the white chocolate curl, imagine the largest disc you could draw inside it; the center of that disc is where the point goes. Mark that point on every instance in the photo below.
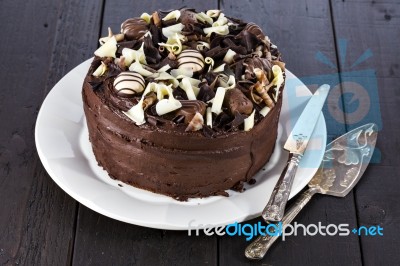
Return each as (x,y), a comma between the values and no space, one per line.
(203,17)
(249,122)
(146,17)
(168,105)
(222,20)
(229,56)
(100,70)
(173,45)
(218,100)
(182,72)
(209,117)
(134,55)
(214,13)
(173,15)
(108,49)
(170,31)
(136,113)
(188,88)
(278,80)
(265,111)
(220,30)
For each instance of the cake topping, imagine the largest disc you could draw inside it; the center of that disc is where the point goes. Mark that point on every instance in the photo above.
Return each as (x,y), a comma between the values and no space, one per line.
(186,65)
(128,84)
(134,28)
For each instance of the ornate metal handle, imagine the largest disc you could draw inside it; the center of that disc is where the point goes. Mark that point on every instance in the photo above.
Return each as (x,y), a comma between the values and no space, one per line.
(259,247)
(275,208)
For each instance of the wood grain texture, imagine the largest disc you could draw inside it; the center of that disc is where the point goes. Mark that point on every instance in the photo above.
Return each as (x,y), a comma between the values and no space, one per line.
(301,31)
(37,218)
(103,241)
(375,25)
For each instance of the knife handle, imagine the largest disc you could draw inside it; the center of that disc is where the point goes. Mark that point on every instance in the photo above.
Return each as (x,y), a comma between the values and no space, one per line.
(275,208)
(259,247)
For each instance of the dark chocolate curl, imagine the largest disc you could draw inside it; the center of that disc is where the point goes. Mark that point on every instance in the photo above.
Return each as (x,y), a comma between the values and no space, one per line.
(152,54)
(231,45)
(205,93)
(248,40)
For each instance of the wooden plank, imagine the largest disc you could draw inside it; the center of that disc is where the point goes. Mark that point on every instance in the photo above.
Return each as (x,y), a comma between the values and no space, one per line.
(103,241)
(374,25)
(301,32)
(37,218)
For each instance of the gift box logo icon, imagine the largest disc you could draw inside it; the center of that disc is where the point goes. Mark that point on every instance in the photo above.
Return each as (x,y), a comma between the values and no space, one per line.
(353,99)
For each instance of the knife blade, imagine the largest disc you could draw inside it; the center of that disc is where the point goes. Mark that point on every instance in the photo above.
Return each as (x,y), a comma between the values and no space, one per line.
(344,162)
(296,144)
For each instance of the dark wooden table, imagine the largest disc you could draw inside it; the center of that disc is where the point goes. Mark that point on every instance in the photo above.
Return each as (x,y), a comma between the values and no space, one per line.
(42,40)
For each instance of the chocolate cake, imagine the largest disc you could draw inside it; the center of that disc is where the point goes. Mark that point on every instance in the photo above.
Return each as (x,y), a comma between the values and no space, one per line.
(184,103)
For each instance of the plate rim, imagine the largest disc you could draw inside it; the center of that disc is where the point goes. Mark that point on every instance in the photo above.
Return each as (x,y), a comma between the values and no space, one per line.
(154,224)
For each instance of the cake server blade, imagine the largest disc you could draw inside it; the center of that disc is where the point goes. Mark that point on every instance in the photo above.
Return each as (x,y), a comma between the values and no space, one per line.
(296,145)
(344,162)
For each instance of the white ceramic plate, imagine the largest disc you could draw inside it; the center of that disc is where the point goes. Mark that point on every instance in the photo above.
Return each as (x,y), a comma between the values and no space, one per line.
(64,149)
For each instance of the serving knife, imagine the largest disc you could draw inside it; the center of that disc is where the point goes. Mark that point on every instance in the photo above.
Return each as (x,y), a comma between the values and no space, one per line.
(296,145)
(344,162)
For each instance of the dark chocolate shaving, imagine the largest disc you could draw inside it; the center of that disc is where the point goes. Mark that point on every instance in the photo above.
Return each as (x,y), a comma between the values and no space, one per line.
(248,40)
(205,93)
(152,54)
(237,121)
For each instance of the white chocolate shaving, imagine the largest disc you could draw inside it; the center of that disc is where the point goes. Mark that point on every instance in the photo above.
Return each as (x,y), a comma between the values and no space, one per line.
(249,121)
(164,68)
(173,45)
(108,49)
(182,72)
(219,68)
(265,111)
(146,17)
(100,70)
(222,20)
(209,61)
(201,45)
(229,56)
(213,13)
(216,107)
(134,55)
(137,67)
(167,77)
(118,37)
(209,117)
(168,105)
(172,15)
(170,31)
(136,113)
(220,30)
(203,17)
(278,80)
(188,88)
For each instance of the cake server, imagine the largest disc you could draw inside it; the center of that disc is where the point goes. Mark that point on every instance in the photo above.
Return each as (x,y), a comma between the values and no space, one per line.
(344,162)
(296,145)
